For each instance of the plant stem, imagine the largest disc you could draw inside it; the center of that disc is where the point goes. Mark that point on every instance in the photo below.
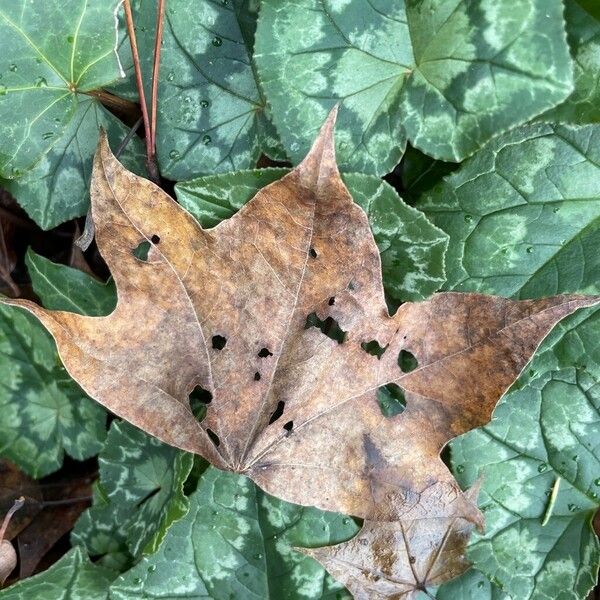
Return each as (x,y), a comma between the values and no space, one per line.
(150,161)
(160,20)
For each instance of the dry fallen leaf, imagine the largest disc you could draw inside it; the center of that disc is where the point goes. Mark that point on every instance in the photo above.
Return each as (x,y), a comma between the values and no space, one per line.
(279,315)
(8,556)
(400,559)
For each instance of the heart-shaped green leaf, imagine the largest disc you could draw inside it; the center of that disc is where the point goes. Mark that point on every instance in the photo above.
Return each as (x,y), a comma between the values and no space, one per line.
(446,74)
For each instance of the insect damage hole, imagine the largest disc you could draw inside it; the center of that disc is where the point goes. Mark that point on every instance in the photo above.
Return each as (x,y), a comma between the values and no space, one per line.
(289,426)
(264,353)
(278,412)
(374,348)
(141,250)
(257,376)
(391,400)
(214,438)
(199,400)
(155,239)
(329,327)
(313,253)
(218,342)
(407,361)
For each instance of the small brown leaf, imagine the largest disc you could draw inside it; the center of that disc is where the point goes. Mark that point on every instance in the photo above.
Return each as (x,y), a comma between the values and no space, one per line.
(389,561)
(8,560)
(274,316)
(8,556)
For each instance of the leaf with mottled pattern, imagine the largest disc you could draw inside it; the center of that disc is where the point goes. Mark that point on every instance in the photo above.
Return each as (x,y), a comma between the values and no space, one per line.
(583,105)
(456,74)
(238,542)
(547,430)
(140,495)
(73,577)
(44,413)
(523,214)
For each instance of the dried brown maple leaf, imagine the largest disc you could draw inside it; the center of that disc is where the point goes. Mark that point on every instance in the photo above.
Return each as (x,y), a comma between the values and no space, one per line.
(232,310)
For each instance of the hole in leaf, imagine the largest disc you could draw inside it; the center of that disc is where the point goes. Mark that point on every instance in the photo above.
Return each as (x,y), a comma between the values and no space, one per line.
(277,412)
(391,400)
(407,361)
(313,253)
(141,252)
(373,348)
(199,399)
(329,327)
(214,438)
(289,426)
(218,342)
(155,239)
(331,301)
(351,286)
(264,352)
(257,376)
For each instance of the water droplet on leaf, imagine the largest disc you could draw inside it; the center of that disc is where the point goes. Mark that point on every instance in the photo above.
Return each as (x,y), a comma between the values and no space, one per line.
(217,41)
(206,140)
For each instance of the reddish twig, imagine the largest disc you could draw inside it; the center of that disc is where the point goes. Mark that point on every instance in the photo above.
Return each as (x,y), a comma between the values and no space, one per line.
(150,162)
(160,19)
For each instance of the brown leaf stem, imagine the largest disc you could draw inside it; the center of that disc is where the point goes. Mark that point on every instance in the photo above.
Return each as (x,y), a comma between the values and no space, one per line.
(18,503)
(150,159)
(160,19)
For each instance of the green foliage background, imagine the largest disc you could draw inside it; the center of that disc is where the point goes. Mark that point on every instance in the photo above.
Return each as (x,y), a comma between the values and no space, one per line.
(485,112)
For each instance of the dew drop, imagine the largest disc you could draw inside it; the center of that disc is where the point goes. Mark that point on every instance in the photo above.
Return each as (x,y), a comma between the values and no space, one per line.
(481,584)
(258,556)
(204,103)
(573,507)
(555,209)
(13,68)
(151,568)
(542,467)
(137,580)
(529,249)
(597,481)
(460,469)
(346,521)
(174,154)
(47,135)
(41,82)
(468,218)
(170,76)
(206,140)
(217,41)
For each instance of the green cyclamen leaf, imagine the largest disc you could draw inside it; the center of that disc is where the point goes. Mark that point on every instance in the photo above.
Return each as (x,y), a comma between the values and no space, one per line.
(212,115)
(523,214)
(473,585)
(58,187)
(412,249)
(237,542)
(43,412)
(457,73)
(140,496)
(64,288)
(73,577)
(52,56)
(544,431)
(583,105)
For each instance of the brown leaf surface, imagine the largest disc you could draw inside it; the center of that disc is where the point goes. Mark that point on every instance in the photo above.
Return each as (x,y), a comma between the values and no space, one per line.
(229,309)
(400,559)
